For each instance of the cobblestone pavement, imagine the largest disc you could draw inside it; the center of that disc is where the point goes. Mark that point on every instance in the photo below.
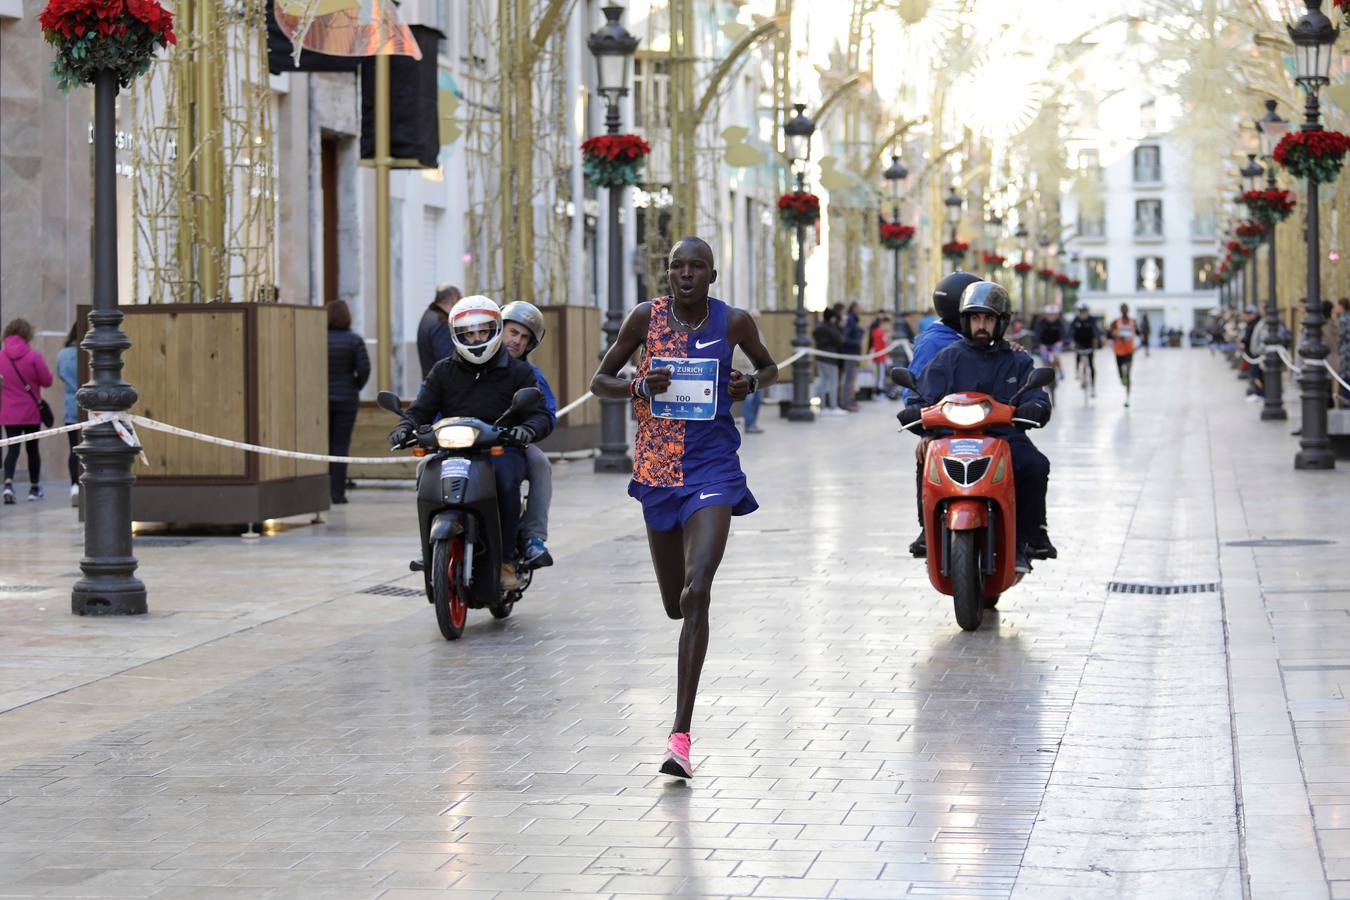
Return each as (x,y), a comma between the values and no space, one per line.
(272,731)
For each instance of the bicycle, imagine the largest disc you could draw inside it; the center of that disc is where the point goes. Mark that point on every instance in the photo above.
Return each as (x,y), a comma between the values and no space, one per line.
(1086,375)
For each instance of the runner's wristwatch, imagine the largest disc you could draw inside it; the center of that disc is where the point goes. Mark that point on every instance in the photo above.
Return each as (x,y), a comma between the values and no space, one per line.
(754,383)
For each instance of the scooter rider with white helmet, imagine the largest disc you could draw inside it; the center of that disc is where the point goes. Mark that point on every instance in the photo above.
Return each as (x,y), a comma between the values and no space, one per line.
(522,331)
(479,381)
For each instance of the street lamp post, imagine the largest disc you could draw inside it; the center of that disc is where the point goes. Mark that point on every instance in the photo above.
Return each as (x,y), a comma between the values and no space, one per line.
(1313,38)
(1044,243)
(1271,128)
(1251,173)
(1021,235)
(896,173)
(613,48)
(109,585)
(798,130)
(952,202)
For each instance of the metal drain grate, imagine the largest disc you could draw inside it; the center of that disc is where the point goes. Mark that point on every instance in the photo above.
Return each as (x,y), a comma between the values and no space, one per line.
(164,542)
(1280,542)
(22,588)
(1132,587)
(389,590)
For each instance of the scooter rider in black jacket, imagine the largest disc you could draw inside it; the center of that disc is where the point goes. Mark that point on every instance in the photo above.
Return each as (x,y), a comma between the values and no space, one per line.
(479,382)
(983,362)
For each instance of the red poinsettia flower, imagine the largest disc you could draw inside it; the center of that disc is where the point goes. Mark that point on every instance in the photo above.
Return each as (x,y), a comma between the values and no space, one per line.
(613,147)
(1022,268)
(955,248)
(1250,230)
(894,231)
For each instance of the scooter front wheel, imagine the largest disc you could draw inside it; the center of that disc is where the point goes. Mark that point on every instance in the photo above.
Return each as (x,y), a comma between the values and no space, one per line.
(446,592)
(967,591)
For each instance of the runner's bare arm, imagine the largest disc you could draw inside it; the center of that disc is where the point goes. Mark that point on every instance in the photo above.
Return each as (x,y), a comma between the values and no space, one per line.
(744,333)
(632,335)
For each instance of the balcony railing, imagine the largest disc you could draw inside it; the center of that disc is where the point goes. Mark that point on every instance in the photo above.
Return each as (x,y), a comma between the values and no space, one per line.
(1147,174)
(1148,228)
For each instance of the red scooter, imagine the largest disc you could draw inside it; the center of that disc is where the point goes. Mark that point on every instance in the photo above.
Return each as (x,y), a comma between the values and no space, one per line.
(969,504)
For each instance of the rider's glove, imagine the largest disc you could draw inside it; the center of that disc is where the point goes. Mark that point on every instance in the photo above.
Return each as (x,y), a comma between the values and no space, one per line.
(401,434)
(1034,412)
(909,415)
(522,434)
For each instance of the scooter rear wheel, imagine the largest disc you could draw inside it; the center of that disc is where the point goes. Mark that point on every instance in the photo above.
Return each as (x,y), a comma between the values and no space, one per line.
(967,591)
(446,591)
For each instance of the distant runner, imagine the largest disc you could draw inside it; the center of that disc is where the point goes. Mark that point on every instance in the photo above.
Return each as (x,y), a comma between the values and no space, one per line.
(1122,333)
(686,472)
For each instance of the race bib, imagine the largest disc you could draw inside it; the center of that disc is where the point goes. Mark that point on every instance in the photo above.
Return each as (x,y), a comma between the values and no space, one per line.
(693,389)
(1124,333)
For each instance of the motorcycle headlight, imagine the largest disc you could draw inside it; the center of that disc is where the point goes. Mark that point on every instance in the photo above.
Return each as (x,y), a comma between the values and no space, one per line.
(966,413)
(456,437)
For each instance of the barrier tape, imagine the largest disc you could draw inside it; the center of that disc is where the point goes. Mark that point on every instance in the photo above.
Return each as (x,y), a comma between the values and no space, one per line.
(1297,369)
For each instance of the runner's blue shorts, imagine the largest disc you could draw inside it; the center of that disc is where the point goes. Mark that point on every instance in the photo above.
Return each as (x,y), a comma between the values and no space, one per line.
(668,508)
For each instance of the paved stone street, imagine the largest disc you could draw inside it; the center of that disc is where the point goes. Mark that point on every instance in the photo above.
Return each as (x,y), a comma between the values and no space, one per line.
(272,730)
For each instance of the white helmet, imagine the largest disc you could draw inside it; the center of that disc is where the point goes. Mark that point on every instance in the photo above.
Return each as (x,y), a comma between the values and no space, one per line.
(476,313)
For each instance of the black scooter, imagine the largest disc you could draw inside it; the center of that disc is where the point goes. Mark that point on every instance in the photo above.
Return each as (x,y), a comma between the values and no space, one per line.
(457,512)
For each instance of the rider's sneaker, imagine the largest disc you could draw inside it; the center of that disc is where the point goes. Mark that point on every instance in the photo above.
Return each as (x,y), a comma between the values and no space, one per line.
(536,554)
(509,581)
(677,756)
(1040,547)
(1023,562)
(918,548)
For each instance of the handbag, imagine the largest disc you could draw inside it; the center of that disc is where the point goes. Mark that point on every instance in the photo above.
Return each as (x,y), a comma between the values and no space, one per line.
(44,408)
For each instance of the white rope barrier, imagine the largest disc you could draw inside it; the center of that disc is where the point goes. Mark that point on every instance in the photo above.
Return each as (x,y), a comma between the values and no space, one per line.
(1332,372)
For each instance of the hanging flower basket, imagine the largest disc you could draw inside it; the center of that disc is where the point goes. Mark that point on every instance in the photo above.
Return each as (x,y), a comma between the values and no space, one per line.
(1250,234)
(1045,274)
(1022,268)
(955,250)
(613,160)
(799,208)
(1236,249)
(993,260)
(1062,280)
(1313,154)
(92,36)
(1269,207)
(895,236)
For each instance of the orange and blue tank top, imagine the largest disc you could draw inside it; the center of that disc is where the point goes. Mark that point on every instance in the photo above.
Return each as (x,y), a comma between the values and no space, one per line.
(674,452)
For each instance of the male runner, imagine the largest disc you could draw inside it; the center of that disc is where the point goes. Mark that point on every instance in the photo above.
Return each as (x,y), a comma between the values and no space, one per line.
(1122,333)
(685,470)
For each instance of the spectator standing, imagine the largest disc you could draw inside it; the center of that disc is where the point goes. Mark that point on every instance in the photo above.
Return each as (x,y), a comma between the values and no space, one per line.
(879,337)
(1145,332)
(348,371)
(67,369)
(25,374)
(828,338)
(433,331)
(1343,344)
(852,346)
(1253,346)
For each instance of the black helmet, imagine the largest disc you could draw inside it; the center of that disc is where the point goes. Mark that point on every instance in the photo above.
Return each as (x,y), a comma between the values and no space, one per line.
(986,297)
(947,296)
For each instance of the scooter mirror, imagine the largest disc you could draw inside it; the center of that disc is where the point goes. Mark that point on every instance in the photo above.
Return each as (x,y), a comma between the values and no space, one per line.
(389,400)
(903,377)
(1040,378)
(526,400)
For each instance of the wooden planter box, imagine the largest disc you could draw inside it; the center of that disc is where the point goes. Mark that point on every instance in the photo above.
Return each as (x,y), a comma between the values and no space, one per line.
(243,371)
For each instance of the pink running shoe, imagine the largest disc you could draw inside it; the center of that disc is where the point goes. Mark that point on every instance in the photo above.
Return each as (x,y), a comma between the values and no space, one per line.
(677,756)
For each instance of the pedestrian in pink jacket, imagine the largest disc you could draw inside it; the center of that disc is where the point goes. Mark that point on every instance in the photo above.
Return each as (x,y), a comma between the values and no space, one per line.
(25,374)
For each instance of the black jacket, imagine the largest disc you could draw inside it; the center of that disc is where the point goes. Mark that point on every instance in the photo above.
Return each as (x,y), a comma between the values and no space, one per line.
(853,335)
(348,366)
(454,388)
(999,371)
(433,340)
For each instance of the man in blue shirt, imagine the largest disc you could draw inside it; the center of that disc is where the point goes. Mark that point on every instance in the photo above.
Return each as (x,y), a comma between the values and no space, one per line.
(522,331)
(932,340)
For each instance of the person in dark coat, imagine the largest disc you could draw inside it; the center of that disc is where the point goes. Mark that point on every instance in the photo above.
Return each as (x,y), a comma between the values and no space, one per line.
(433,331)
(348,371)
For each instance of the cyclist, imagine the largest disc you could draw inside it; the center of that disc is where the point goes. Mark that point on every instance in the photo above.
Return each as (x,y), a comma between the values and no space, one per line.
(1122,334)
(1086,335)
(1050,337)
